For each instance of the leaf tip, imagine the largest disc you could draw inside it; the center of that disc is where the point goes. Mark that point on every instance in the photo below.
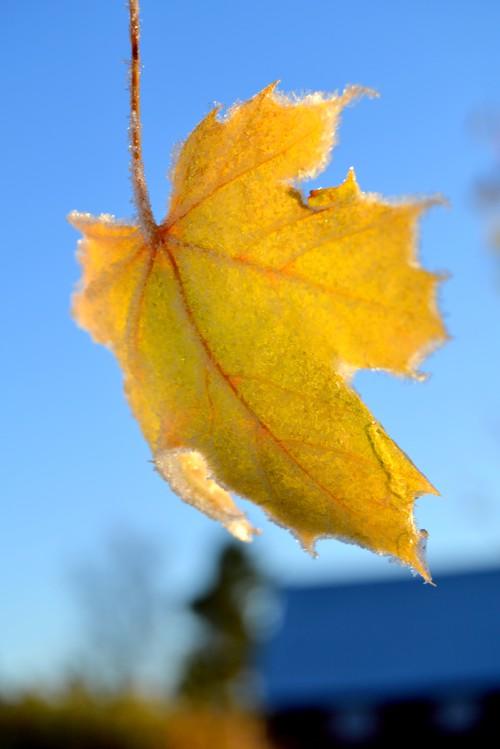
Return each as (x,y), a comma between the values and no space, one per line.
(78,219)
(308,543)
(190,476)
(355,91)
(241,529)
(268,90)
(419,563)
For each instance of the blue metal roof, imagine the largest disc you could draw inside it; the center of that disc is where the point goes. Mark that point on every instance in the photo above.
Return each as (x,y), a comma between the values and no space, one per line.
(383,640)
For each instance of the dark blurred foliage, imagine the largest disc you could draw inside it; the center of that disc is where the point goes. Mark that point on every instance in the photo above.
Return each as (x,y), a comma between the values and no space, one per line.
(217,669)
(78,719)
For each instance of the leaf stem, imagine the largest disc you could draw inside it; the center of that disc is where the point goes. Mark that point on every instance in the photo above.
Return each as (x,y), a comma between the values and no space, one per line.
(141,195)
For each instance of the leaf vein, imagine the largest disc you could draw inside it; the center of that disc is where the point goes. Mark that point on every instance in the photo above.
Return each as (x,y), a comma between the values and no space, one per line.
(266,270)
(216,365)
(168,225)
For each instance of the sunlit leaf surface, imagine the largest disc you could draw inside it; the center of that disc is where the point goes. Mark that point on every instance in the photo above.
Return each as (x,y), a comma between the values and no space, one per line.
(239,325)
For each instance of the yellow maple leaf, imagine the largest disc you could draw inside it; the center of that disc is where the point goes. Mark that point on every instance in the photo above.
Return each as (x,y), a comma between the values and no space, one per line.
(239,320)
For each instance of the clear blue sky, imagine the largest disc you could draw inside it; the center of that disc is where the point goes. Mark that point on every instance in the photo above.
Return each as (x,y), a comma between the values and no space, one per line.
(75,464)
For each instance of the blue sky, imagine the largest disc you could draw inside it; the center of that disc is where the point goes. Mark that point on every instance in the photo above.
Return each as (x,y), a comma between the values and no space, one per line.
(75,464)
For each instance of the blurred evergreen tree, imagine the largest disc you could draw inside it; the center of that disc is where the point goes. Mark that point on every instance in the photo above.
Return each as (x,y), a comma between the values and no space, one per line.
(217,670)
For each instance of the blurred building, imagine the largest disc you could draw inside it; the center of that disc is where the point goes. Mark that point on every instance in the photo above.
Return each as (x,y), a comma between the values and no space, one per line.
(381,663)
